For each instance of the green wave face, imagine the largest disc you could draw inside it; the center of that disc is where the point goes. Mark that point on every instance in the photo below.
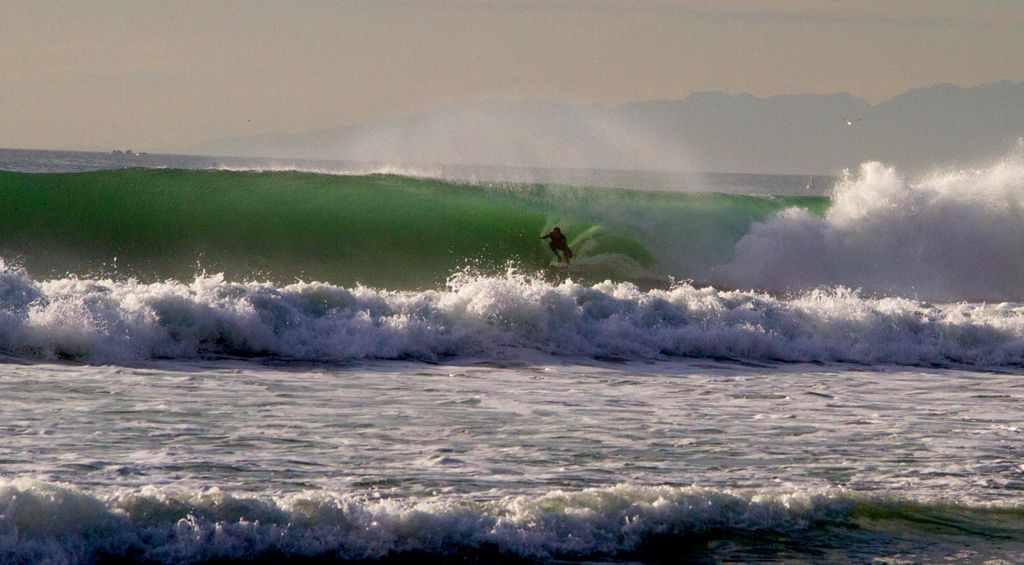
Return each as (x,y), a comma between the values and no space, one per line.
(380,230)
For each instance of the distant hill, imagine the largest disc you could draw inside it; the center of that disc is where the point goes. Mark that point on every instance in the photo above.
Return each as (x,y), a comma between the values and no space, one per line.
(706,131)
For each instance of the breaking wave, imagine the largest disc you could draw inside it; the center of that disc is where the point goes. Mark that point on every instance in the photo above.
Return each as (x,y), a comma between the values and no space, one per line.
(492,316)
(382,230)
(44,522)
(950,235)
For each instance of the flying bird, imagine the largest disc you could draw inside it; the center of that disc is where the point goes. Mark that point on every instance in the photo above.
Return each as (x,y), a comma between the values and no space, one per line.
(850,122)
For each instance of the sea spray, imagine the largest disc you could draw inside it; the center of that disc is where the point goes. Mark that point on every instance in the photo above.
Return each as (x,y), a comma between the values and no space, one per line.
(950,235)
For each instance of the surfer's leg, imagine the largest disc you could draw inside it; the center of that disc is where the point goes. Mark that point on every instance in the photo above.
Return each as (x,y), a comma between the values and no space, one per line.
(554,249)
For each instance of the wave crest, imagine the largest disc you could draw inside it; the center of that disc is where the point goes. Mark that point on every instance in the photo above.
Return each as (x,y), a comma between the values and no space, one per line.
(44,522)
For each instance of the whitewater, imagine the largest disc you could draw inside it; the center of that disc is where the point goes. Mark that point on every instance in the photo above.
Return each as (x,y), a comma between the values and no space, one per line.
(215,360)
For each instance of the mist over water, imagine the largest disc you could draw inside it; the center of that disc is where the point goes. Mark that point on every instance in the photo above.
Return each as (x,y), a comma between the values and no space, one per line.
(706,131)
(521,135)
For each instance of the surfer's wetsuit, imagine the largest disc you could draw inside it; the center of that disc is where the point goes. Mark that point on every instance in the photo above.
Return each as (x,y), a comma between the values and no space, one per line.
(559,243)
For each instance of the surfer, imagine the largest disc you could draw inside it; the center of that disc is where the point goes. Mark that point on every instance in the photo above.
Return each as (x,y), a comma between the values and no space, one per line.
(559,243)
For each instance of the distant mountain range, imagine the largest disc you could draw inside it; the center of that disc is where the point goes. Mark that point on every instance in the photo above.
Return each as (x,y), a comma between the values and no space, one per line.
(706,131)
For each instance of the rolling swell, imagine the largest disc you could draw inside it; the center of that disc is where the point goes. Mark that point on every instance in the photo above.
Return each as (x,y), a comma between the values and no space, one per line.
(381,230)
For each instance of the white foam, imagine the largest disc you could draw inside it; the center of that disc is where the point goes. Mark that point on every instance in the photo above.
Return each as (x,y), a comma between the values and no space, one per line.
(951,235)
(43,522)
(494,316)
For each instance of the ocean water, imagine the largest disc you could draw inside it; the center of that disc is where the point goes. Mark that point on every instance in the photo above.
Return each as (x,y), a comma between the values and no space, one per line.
(214,360)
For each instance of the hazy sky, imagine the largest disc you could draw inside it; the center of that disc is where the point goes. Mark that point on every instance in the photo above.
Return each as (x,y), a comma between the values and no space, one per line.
(162,76)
